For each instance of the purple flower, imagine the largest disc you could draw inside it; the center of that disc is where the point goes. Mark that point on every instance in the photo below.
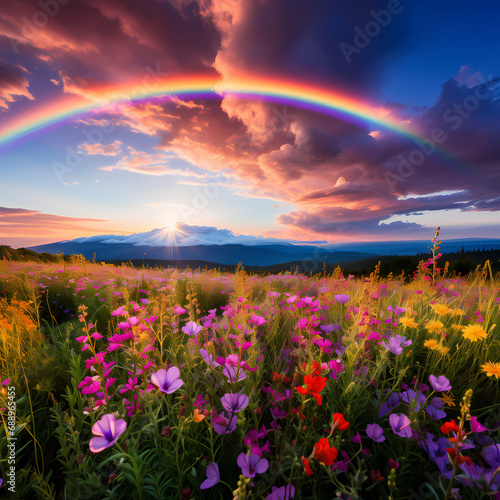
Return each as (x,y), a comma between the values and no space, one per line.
(342,298)
(1,481)
(392,402)
(434,409)
(410,395)
(167,380)
(375,432)
(208,358)
(400,424)
(192,328)
(213,476)
(222,424)
(396,344)
(491,455)
(230,372)
(440,384)
(234,403)
(252,464)
(107,430)
(283,493)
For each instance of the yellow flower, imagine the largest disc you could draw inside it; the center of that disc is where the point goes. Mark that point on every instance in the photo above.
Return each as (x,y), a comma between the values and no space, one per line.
(408,322)
(448,399)
(441,309)
(198,417)
(431,344)
(456,327)
(474,333)
(434,326)
(443,350)
(491,369)
(459,312)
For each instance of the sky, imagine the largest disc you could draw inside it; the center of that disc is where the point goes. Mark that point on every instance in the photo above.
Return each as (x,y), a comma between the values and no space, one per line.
(101,134)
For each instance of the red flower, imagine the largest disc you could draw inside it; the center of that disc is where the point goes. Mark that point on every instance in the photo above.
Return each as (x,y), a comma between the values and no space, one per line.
(316,369)
(376,477)
(286,380)
(339,422)
(307,467)
(457,458)
(276,376)
(313,385)
(449,426)
(323,453)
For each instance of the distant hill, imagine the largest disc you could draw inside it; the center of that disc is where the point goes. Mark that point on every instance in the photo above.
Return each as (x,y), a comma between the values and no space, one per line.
(231,254)
(462,262)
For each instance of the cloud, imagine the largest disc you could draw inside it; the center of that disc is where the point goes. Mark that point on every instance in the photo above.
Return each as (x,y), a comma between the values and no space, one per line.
(140,162)
(13,85)
(112,149)
(342,177)
(187,235)
(30,227)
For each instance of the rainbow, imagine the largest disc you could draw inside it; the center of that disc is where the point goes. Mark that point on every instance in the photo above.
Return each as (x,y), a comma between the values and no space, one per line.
(319,99)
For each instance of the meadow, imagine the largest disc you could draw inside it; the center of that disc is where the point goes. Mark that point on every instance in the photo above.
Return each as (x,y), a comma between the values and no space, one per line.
(157,383)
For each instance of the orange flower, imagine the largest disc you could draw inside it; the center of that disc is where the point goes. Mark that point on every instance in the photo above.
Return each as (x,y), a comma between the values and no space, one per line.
(323,453)
(313,385)
(198,417)
(307,467)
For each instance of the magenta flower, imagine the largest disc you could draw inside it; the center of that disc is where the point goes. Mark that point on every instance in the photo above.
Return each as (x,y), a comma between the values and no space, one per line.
(234,403)
(213,476)
(400,424)
(167,380)
(252,464)
(476,426)
(375,432)
(119,312)
(257,320)
(440,384)
(192,328)
(179,310)
(107,430)
(342,298)
(90,385)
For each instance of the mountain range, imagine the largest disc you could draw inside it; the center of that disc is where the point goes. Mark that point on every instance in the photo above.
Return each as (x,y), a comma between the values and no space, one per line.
(221,246)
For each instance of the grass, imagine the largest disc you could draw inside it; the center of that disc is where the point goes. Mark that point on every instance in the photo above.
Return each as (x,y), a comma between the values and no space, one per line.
(278,332)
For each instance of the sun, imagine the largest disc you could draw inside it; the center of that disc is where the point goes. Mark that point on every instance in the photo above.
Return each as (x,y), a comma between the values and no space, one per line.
(171,228)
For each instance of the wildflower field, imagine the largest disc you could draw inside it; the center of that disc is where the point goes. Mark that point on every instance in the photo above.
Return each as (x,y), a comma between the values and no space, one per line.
(126,383)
